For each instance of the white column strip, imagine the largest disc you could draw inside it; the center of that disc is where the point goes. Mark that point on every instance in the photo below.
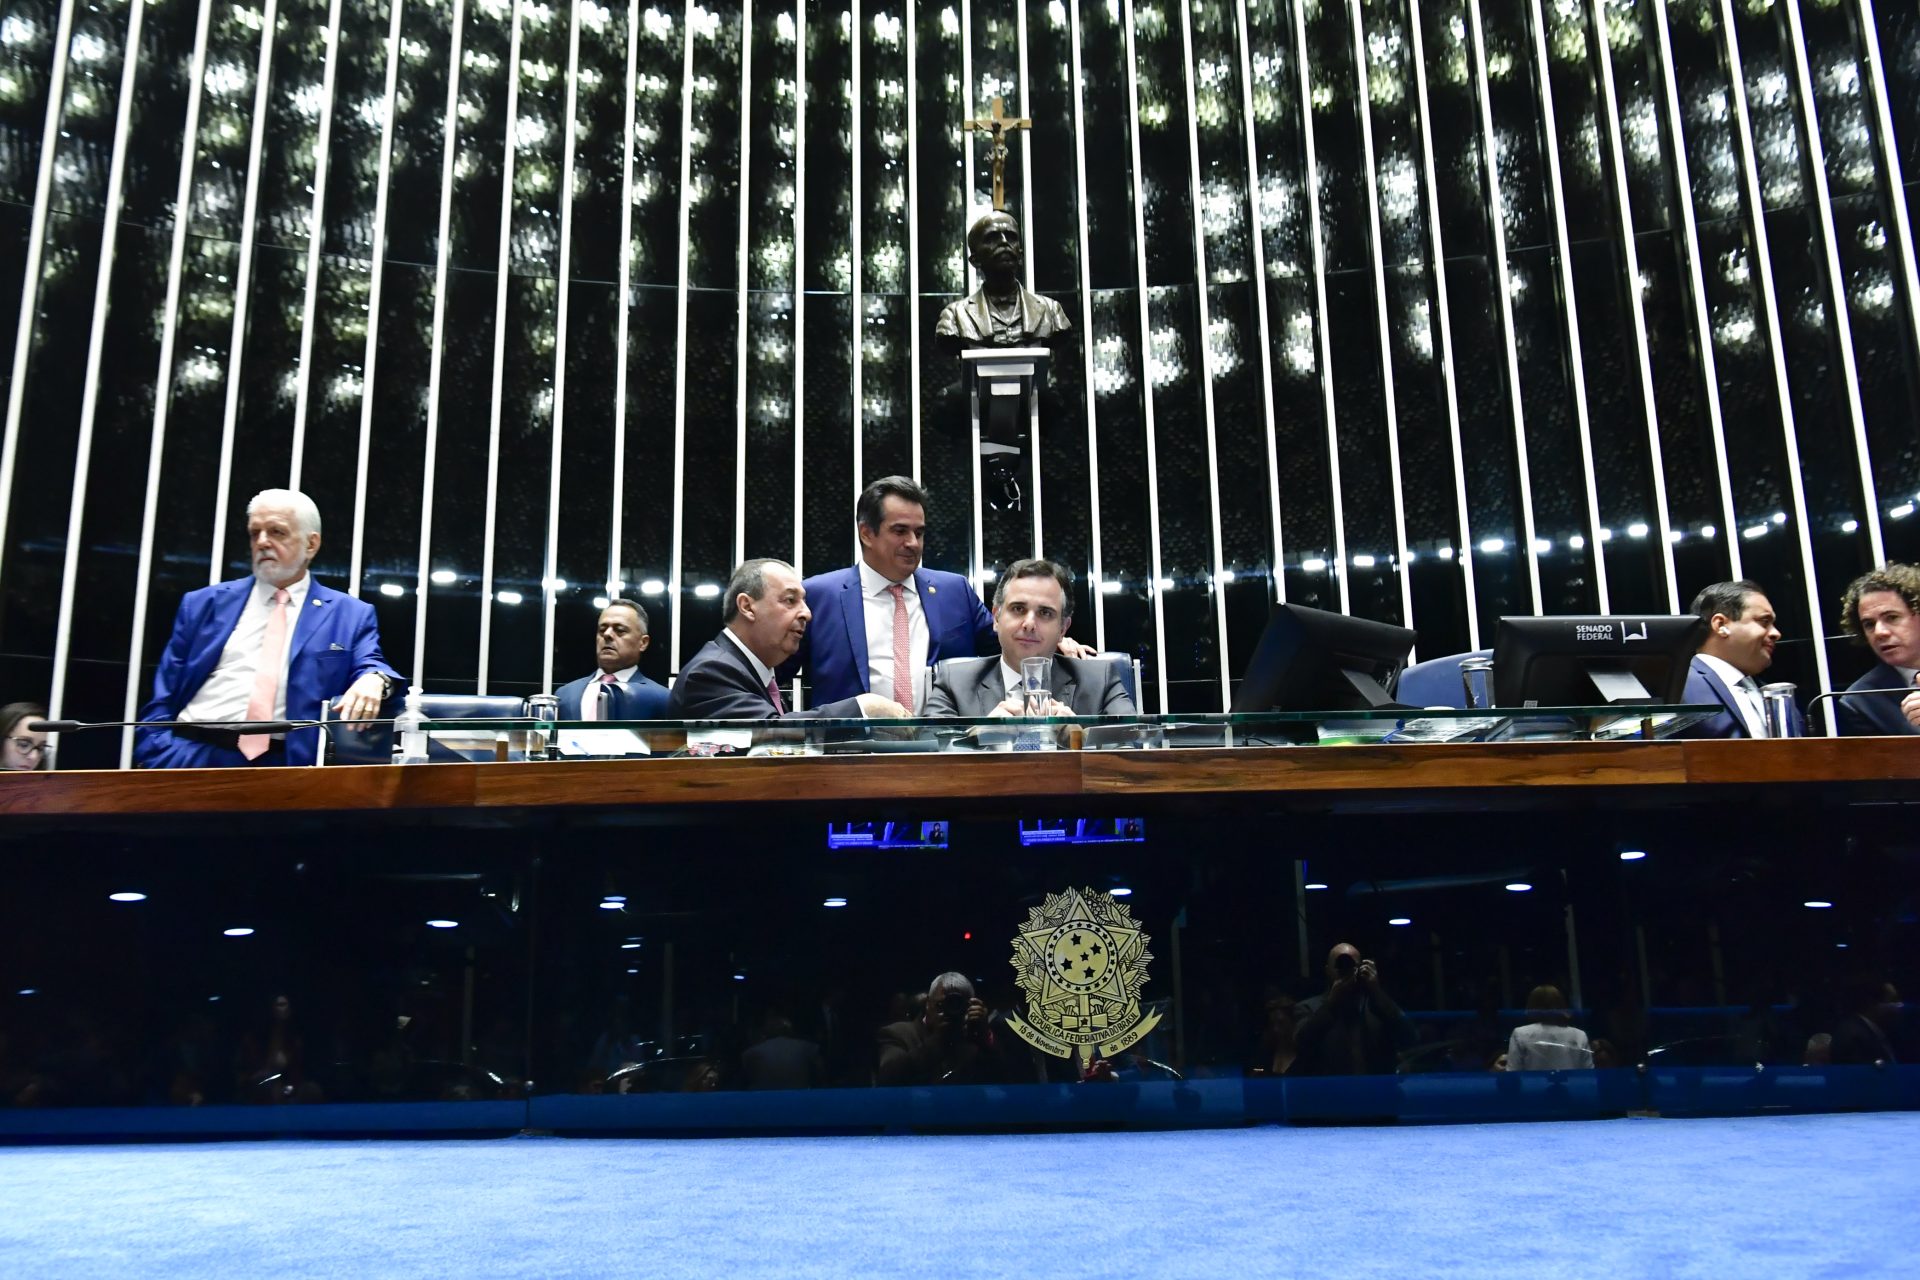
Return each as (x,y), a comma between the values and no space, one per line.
(854,258)
(1448,373)
(549,585)
(1630,256)
(369,360)
(1836,278)
(442,257)
(1783,392)
(1490,153)
(1154,588)
(1089,374)
(502,269)
(1026,240)
(799,274)
(1320,301)
(96,346)
(1903,247)
(1380,301)
(1702,318)
(1217,581)
(36,251)
(163,380)
(242,288)
(1257,226)
(913,247)
(623,324)
(1577,373)
(677,553)
(316,240)
(740,333)
(966,149)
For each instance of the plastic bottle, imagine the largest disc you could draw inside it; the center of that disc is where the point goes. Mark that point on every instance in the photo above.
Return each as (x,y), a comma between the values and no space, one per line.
(409,735)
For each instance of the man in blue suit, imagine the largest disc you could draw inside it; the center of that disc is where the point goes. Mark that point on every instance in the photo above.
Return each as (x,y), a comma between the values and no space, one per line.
(273,646)
(1740,639)
(878,626)
(620,691)
(1883,609)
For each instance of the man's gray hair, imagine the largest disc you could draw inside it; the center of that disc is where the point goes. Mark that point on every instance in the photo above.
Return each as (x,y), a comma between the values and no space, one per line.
(1037,569)
(749,580)
(306,516)
(949,982)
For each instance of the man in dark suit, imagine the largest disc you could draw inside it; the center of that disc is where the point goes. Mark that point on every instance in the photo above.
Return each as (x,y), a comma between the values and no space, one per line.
(273,646)
(1032,607)
(955,1040)
(880,624)
(620,692)
(1883,609)
(1741,636)
(1864,1034)
(733,676)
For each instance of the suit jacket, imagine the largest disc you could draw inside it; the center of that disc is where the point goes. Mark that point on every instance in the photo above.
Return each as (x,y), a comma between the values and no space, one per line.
(833,656)
(718,683)
(336,641)
(973,687)
(638,699)
(1875,714)
(1704,685)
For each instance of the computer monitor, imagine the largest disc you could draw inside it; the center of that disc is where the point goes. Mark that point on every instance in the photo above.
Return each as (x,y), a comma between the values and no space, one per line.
(1589,660)
(1311,660)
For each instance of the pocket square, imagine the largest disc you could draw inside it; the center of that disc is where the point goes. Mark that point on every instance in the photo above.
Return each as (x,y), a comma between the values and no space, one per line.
(336,648)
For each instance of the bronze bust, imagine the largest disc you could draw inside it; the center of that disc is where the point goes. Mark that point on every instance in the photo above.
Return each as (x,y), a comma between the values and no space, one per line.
(1003,312)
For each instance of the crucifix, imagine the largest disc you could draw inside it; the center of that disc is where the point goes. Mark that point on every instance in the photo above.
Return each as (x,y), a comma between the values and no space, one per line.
(998,125)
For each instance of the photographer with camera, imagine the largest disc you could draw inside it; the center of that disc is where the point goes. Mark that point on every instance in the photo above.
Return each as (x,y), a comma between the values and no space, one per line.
(1355,1028)
(952,1042)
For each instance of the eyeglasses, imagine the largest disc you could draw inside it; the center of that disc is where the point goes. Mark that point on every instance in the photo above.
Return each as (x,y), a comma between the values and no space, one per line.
(28,747)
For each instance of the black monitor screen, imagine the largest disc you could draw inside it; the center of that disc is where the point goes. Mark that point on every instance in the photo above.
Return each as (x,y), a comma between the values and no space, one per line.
(1578,661)
(1311,660)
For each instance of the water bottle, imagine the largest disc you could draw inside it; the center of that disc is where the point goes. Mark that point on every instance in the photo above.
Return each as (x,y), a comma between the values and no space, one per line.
(409,732)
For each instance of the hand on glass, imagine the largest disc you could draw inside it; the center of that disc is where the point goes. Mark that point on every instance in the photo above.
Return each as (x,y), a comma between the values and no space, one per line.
(1910,708)
(361,701)
(1015,705)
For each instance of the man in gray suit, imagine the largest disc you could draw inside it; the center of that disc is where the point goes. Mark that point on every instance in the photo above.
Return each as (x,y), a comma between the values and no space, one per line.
(1031,610)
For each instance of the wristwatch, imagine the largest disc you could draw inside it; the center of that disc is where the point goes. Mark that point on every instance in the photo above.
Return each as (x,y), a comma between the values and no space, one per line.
(386,685)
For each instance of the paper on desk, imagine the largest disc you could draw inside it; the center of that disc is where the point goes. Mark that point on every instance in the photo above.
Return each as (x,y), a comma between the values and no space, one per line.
(602,742)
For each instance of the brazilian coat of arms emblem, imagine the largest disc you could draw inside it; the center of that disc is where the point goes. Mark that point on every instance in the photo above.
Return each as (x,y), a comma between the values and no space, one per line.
(1081,961)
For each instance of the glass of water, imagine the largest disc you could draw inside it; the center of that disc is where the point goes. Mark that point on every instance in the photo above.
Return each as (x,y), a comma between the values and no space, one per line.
(543,708)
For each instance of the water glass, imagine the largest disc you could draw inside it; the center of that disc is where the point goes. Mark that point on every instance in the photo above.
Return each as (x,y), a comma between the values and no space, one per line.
(545,709)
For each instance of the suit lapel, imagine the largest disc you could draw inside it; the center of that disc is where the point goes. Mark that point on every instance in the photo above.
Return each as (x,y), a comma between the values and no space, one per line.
(929,605)
(225,615)
(315,615)
(853,615)
(1724,694)
(990,688)
(1064,685)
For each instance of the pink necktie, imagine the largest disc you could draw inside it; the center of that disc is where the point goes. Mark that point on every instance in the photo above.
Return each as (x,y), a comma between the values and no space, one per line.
(266,676)
(773,691)
(590,706)
(902,649)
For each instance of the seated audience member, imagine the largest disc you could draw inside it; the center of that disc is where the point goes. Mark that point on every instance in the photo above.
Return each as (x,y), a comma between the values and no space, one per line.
(1819,1050)
(1355,1028)
(620,692)
(953,1041)
(1547,1043)
(1276,1052)
(1739,646)
(782,1060)
(1882,609)
(1865,1033)
(732,676)
(273,646)
(22,748)
(1031,609)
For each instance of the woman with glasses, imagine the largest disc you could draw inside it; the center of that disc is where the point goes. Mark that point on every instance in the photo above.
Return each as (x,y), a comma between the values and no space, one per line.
(21,747)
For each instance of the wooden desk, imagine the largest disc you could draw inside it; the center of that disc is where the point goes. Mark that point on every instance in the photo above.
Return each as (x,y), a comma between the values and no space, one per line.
(1409,776)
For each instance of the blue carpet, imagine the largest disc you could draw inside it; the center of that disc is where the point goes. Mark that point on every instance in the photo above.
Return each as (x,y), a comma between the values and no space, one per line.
(1768,1196)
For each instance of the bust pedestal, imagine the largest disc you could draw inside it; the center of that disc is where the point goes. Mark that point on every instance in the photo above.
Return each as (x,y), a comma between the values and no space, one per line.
(1003,401)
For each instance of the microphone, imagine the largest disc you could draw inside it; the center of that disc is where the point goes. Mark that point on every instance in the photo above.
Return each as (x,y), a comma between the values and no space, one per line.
(1899,692)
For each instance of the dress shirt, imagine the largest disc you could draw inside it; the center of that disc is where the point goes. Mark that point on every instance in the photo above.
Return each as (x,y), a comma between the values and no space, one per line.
(229,686)
(1016,682)
(1746,689)
(878,611)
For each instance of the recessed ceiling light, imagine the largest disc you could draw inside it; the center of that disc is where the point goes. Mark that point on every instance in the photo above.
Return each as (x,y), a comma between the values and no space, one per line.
(739,977)
(1398,920)
(1632,855)
(1816,904)
(1519,886)
(613,906)
(834,902)
(613,897)
(1122,892)
(443,924)
(1315,885)
(128,895)
(238,931)
(34,991)
(629,946)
